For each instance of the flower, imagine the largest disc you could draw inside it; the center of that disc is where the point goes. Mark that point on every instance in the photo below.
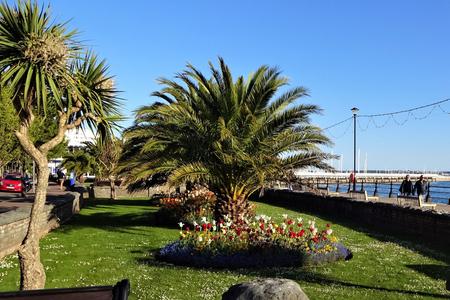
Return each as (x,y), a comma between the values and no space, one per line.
(204,220)
(284,216)
(329,231)
(200,238)
(181,224)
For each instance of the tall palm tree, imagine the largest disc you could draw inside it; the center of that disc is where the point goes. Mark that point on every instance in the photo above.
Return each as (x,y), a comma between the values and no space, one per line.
(231,134)
(43,66)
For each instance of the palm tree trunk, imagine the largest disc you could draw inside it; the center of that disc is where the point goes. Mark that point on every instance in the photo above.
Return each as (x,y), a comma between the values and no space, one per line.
(235,209)
(32,272)
(112,185)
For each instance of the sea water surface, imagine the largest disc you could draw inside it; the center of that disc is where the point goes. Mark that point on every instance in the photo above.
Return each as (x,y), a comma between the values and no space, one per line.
(439,190)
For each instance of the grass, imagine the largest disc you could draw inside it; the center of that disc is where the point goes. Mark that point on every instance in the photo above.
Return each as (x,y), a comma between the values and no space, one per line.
(110,241)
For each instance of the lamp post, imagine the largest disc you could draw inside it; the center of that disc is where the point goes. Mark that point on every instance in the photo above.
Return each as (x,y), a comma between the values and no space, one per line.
(354,112)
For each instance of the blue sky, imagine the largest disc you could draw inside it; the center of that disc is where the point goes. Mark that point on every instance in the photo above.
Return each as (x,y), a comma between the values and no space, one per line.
(380,56)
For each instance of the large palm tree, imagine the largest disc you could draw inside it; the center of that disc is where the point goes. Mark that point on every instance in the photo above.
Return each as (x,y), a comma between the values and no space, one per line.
(79,161)
(233,135)
(43,66)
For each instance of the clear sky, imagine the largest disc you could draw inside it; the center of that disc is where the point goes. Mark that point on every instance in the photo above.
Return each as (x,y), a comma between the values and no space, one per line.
(380,56)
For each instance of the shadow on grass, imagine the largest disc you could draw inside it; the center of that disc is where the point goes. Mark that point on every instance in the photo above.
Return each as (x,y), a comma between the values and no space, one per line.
(113,215)
(436,250)
(304,274)
(433,271)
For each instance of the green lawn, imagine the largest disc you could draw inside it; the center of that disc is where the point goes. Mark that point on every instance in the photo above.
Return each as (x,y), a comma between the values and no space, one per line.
(111,241)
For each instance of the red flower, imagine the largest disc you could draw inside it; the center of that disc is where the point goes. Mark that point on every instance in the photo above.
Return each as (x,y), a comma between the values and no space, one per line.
(291,229)
(290,222)
(204,227)
(315,239)
(197,228)
(261,225)
(300,233)
(299,224)
(230,237)
(328,225)
(292,234)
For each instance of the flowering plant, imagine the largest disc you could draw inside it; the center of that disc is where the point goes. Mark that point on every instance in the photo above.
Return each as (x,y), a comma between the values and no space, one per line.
(259,232)
(258,241)
(189,207)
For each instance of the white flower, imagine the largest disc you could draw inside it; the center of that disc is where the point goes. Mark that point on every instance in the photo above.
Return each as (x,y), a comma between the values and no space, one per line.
(329,231)
(285,216)
(214,222)
(214,228)
(200,239)
(228,224)
(195,224)
(314,231)
(209,241)
(284,226)
(181,224)
(204,220)
(299,220)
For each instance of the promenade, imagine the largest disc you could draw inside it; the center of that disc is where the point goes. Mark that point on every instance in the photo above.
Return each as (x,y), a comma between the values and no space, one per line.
(12,201)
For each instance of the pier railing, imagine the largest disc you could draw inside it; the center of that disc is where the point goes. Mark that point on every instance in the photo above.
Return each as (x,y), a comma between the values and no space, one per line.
(377,186)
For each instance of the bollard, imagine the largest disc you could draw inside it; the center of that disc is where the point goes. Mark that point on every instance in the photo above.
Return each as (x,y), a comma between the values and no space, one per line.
(337,185)
(327,184)
(349,186)
(362,185)
(390,191)
(428,197)
(448,201)
(375,191)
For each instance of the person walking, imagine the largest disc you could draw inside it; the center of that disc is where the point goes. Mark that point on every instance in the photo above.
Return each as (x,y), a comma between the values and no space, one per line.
(420,186)
(61,178)
(406,188)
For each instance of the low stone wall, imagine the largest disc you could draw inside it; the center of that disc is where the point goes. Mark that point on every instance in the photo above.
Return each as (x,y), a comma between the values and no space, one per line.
(424,224)
(99,192)
(14,223)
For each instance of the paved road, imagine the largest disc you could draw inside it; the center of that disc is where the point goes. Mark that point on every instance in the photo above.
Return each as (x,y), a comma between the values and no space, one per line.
(11,201)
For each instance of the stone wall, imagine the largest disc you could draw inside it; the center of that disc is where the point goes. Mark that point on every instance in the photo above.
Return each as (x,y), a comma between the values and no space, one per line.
(99,192)
(14,223)
(411,221)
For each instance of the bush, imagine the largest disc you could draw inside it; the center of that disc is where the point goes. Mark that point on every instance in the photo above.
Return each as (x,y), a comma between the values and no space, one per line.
(258,242)
(189,207)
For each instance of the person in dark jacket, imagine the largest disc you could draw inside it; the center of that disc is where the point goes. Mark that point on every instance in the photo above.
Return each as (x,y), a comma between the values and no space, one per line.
(406,188)
(420,186)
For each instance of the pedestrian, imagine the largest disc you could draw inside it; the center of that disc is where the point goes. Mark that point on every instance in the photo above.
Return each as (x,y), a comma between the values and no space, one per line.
(61,178)
(420,186)
(406,188)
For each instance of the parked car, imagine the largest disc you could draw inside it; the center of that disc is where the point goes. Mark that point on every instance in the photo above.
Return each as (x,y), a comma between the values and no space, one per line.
(14,183)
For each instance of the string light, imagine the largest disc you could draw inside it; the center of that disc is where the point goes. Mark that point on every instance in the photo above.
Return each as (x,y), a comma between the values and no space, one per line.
(389,116)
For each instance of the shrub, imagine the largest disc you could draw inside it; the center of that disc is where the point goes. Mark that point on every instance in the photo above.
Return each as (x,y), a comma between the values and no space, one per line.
(254,242)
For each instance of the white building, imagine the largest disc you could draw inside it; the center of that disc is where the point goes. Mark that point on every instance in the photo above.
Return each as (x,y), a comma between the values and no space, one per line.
(75,138)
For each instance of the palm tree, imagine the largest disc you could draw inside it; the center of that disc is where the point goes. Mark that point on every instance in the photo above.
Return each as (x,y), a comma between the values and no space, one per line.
(231,135)
(79,161)
(106,151)
(44,67)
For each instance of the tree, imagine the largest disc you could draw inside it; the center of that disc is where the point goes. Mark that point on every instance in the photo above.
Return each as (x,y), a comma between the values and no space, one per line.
(79,161)
(9,147)
(46,71)
(100,157)
(232,135)
(106,150)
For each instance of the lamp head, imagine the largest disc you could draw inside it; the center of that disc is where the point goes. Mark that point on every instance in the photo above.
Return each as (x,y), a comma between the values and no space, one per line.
(354,110)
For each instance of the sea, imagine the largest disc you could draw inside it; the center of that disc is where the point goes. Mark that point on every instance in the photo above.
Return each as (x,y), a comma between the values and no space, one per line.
(439,190)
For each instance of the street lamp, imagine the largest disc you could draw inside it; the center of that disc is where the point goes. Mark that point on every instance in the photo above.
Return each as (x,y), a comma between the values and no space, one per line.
(354,112)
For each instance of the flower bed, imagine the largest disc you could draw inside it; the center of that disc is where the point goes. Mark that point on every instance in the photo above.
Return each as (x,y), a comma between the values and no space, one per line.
(258,242)
(188,207)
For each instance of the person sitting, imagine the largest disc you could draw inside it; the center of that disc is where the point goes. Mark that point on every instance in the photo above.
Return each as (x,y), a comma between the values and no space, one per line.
(406,188)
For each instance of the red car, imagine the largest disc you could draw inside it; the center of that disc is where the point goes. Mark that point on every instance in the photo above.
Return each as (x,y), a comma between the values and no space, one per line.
(12,183)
